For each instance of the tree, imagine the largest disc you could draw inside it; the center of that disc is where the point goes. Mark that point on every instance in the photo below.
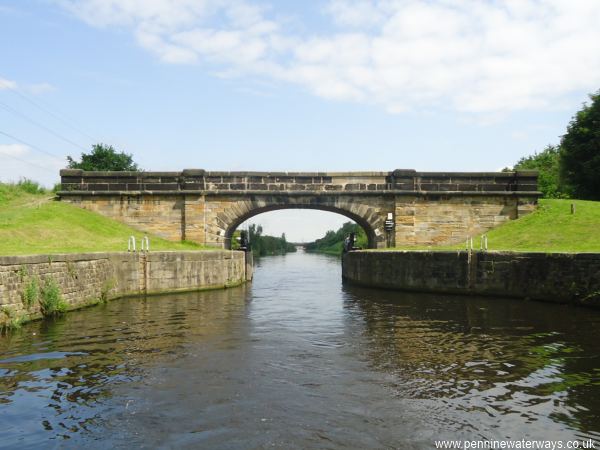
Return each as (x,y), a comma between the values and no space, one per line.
(333,241)
(547,163)
(268,245)
(103,157)
(580,152)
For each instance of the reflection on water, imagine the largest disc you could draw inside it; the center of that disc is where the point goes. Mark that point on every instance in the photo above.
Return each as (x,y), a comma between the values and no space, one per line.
(503,363)
(298,360)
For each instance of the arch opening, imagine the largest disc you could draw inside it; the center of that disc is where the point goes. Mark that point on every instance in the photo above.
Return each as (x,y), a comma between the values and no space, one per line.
(363,223)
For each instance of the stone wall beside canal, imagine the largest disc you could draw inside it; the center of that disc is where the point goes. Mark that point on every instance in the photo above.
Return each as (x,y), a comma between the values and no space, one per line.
(556,277)
(84,279)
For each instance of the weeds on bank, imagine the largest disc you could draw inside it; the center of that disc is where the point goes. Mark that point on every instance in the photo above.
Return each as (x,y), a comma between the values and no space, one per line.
(31,294)
(30,187)
(9,191)
(47,295)
(13,320)
(51,301)
(105,289)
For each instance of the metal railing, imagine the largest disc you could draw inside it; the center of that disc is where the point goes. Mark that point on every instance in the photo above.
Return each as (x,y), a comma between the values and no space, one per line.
(483,243)
(144,244)
(146,247)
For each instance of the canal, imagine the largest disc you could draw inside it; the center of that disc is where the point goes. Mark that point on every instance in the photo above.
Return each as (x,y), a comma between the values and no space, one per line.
(298,360)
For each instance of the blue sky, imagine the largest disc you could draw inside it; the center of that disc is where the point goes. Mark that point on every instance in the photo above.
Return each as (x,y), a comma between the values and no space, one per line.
(442,85)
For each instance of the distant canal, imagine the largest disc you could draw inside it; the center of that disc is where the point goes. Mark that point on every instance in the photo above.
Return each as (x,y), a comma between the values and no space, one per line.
(298,360)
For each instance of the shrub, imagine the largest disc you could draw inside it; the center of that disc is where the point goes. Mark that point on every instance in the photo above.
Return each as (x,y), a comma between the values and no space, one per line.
(51,302)
(31,293)
(547,163)
(23,272)
(103,157)
(12,320)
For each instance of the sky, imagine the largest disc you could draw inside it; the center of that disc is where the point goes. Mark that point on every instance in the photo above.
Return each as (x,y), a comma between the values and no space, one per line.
(322,85)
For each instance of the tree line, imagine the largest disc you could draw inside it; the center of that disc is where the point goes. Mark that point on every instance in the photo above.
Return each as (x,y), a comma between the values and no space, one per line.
(263,245)
(333,241)
(571,169)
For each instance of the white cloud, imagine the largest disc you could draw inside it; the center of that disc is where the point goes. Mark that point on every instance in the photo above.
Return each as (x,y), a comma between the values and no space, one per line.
(464,55)
(17,161)
(7,84)
(36,88)
(13,149)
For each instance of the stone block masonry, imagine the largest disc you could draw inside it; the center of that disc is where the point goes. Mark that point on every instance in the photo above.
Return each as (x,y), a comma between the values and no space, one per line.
(427,208)
(555,277)
(201,181)
(440,220)
(85,279)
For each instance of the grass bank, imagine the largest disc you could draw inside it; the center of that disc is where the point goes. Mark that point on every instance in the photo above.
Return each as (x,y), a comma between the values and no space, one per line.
(32,222)
(333,242)
(551,228)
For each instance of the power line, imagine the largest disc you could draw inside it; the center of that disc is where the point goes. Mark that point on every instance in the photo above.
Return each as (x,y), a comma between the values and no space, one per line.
(43,127)
(34,147)
(28,162)
(46,109)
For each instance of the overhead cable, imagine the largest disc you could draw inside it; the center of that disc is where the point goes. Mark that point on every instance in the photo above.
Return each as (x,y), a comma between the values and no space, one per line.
(38,104)
(34,147)
(43,127)
(28,162)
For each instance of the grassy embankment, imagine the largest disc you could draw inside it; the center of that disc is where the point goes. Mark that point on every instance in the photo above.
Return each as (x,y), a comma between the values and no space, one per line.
(551,228)
(333,242)
(31,222)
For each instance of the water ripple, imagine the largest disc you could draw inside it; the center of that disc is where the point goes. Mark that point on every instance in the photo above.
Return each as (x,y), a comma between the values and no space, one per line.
(298,360)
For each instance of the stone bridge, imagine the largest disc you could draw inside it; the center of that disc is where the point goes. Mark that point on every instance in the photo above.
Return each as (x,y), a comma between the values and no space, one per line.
(425,208)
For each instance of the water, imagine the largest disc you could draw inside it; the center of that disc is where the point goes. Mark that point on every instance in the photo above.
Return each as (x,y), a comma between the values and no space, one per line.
(298,360)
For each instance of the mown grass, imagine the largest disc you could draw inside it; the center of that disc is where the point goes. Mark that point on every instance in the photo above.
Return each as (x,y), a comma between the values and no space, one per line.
(551,228)
(32,222)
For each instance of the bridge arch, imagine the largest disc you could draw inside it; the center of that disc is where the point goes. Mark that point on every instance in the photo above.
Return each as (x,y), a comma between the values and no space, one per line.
(257,209)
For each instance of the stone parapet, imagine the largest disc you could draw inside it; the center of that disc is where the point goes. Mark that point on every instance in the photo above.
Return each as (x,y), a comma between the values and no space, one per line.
(302,193)
(200,181)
